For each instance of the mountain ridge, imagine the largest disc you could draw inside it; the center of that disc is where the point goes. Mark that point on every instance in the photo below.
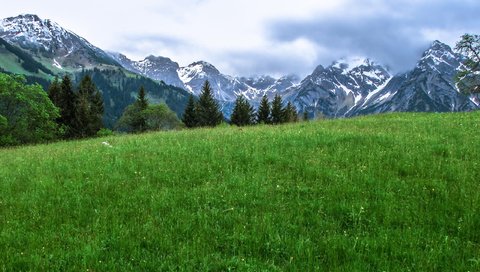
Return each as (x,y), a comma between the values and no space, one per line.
(48,39)
(347,87)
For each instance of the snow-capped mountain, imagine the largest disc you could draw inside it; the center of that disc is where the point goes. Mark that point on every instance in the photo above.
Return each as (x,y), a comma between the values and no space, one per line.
(334,90)
(429,87)
(269,86)
(225,88)
(259,82)
(347,87)
(49,40)
(157,68)
(192,77)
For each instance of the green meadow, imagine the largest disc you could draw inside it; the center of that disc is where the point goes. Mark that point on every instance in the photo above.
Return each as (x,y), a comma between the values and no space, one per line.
(394,192)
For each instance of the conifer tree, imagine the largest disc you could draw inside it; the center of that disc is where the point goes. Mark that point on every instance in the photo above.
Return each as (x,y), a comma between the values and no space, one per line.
(55,92)
(88,109)
(263,114)
(305,115)
(243,113)
(277,110)
(66,104)
(189,116)
(290,113)
(134,117)
(139,122)
(207,111)
(142,101)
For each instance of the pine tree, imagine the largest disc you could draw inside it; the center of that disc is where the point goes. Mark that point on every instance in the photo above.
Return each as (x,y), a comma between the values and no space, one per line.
(139,122)
(277,110)
(189,116)
(263,114)
(243,113)
(142,101)
(55,92)
(305,115)
(290,113)
(66,103)
(208,111)
(88,109)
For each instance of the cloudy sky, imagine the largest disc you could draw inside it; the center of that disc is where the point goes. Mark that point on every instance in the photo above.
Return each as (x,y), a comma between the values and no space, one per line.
(247,37)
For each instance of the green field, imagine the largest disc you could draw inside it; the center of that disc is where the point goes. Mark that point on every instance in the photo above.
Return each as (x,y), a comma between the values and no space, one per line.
(395,192)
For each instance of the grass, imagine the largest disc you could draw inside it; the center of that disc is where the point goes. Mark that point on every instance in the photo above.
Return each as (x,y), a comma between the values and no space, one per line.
(395,192)
(10,62)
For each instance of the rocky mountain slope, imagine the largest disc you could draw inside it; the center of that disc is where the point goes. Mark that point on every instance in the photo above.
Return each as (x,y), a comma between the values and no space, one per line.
(49,40)
(156,68)
(429,87)
(192,77)
(334,90)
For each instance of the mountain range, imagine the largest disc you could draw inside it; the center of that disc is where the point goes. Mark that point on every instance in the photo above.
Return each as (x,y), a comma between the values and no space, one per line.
(348,87)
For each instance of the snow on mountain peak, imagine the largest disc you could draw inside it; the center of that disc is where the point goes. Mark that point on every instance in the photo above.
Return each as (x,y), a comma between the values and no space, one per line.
(348,64)
(204,66)
(436,55)
(199,69)
(30,29)
(52,41)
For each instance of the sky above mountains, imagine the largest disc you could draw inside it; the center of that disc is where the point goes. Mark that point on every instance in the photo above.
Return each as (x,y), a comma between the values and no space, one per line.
(246,37)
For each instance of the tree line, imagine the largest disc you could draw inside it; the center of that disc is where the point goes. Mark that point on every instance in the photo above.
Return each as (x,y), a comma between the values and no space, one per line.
(81,108)
(28,114)
(205,112)
(81,111)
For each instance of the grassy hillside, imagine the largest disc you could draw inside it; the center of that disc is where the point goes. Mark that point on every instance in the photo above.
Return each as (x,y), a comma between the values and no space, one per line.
(397,192)
(15,61)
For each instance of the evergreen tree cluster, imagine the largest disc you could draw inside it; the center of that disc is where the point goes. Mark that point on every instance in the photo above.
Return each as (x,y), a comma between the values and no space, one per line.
(276,113)
(202,113)
(118,85)
(206,112)
(141,116)
(243,113)
(81,108)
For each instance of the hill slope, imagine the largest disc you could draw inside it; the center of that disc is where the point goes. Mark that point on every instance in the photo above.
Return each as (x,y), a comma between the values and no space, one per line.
(392,192)
(15,60)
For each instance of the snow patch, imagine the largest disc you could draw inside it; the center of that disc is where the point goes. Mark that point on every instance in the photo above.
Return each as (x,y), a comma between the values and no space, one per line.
(375,92)
(348,64)
(384,97)
(56,64)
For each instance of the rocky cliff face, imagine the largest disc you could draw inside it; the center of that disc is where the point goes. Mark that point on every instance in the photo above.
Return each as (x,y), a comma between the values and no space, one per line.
(429,87)
(334,90)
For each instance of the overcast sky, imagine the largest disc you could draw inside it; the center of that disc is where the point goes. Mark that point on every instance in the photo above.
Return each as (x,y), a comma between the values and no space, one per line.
(247,37)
